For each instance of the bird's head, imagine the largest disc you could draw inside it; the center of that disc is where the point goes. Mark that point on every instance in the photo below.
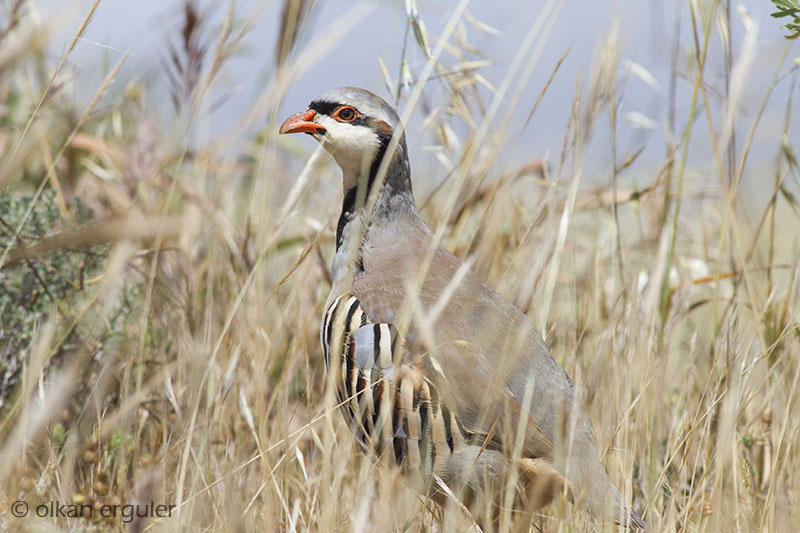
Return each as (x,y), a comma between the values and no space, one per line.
(355,126)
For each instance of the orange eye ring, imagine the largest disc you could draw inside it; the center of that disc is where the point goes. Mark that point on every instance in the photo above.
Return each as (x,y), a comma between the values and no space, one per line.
(346,113)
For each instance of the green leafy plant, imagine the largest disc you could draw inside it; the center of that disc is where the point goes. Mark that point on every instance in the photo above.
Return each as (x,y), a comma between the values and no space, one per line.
(791,9)
(33,288)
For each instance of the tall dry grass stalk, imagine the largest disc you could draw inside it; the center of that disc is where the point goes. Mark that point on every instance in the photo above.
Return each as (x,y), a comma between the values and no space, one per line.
(178,361)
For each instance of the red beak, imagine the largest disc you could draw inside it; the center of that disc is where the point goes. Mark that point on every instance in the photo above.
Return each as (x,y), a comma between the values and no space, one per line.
(301,123)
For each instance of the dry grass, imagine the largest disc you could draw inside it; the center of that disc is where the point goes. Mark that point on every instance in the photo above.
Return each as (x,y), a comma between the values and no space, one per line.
(187,370)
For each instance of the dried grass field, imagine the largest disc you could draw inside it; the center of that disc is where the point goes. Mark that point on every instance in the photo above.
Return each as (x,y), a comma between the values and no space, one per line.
(161,287)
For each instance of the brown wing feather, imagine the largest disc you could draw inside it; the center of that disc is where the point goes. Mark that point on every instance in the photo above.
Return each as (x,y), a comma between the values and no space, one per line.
(483,355)
(473,342)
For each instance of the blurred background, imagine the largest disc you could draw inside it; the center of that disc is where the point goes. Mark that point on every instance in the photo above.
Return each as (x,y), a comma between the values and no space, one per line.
(654,39)
(625,172)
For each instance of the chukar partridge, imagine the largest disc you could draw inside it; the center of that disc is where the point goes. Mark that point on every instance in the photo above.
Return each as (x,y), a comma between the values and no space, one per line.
(434,369)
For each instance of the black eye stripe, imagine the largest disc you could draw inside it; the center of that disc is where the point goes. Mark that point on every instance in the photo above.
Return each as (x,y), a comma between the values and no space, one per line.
(322,107)
(327,108)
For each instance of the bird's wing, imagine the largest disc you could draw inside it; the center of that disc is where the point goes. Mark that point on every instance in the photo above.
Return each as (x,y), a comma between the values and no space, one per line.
(480,351)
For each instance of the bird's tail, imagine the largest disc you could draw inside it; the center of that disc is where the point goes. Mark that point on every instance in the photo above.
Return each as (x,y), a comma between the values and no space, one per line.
(616,509)
(604,501)
(626,516)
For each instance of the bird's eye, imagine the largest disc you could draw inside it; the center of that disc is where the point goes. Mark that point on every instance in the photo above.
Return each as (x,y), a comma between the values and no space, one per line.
(346,114)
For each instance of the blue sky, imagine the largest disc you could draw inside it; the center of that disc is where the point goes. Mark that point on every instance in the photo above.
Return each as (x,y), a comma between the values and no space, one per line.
(645,31)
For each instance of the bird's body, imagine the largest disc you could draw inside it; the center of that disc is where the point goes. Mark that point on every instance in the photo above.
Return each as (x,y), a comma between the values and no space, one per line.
(432,366)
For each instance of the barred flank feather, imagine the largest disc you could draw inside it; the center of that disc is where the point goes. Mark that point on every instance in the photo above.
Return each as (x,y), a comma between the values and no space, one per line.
(401,412)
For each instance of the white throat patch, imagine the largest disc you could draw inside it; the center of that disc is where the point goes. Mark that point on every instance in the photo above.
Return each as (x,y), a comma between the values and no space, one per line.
(352,146)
